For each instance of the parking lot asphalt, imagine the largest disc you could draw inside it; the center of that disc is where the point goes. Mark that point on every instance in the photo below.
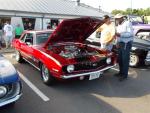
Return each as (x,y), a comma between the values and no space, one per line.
(103,95)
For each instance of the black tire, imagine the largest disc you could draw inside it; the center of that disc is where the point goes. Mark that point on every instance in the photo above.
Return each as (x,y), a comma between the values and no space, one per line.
(18,56)
(134,60)
(47,78)
(11,105)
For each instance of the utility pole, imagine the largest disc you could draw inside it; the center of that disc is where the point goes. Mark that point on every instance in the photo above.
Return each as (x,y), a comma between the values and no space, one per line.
(100,6)
(131,6)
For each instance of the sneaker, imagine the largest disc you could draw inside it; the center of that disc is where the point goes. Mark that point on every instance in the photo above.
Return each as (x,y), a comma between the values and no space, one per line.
(122,78)
(117,75)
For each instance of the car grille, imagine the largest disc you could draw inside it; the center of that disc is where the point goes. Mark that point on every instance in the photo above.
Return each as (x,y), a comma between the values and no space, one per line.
(89,65)
(12,90)
(81,59)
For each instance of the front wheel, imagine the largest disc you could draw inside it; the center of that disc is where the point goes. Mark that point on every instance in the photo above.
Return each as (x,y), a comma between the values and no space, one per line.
(47,78)
(134,60)
(18,57)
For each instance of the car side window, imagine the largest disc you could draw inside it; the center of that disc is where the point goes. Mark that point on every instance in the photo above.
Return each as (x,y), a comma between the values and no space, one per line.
(95,35)
(98,34)
(144,35)
(29,39)
(42,37)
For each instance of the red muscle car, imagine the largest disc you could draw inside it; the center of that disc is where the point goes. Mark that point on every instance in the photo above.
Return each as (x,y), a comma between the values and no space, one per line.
(63,54)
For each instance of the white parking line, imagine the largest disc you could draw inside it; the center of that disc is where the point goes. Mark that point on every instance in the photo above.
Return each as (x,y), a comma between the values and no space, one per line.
(115,69)
(33,87)
(130,72)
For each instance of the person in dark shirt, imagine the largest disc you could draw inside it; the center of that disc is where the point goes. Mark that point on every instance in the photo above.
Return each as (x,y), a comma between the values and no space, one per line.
(48,26)
(30,27)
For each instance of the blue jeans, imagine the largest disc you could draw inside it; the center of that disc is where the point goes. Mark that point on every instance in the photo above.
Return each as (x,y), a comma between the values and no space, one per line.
(124,57)
(8,40)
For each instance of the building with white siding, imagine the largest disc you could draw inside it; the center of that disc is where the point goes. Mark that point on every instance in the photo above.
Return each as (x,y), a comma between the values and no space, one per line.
(42,12)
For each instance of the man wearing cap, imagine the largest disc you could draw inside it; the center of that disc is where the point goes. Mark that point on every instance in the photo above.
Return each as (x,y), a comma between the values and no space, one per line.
(107,33)
(124,33)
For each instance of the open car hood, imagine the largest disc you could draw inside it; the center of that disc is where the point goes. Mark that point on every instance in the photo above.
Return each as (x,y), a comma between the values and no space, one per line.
(74,30)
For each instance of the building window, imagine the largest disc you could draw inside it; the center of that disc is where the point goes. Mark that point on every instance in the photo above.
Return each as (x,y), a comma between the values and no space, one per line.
(53,24)
(28,23)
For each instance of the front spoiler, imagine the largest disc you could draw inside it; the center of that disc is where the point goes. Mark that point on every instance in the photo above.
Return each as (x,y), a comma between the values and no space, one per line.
(85,74)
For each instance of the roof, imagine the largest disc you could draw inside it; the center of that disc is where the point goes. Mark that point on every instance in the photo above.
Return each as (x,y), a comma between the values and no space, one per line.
(60,7)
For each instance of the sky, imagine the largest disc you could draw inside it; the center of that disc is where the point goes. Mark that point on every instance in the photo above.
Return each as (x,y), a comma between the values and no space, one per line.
(109,5)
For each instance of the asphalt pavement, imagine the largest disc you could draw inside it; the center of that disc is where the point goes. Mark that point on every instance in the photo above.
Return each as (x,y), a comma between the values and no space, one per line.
(103,95)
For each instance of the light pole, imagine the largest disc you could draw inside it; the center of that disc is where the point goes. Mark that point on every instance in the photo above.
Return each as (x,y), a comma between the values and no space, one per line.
(131,6)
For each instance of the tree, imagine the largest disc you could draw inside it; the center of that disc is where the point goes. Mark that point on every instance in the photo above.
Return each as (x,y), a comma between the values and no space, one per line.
(114,12)
(129,11)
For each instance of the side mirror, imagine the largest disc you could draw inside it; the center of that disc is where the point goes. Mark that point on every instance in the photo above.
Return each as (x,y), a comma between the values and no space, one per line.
(28,41)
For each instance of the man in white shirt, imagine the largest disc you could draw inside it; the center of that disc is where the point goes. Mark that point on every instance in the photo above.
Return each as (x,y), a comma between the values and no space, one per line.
(8,33)
(124,33)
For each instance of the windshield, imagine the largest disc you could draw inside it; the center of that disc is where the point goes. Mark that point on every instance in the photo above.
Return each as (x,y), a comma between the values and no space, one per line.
(136,19)
(42,38)
(144,34)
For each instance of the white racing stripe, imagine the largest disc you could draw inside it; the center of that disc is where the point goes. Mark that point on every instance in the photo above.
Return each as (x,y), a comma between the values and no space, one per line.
(33,87)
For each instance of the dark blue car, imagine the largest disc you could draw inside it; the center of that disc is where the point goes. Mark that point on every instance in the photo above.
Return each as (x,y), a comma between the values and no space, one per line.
(10,85)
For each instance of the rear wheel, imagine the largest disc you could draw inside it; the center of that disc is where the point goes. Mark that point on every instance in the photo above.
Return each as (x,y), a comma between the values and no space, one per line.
(134,60)
(18,57)
(47,78)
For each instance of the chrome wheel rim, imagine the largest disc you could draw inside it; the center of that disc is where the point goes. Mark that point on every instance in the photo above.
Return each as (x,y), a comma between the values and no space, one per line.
(45,73)
(17,55)
(134,60)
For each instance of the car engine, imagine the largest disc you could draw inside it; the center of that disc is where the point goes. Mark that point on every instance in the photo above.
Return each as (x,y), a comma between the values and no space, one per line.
(73,51)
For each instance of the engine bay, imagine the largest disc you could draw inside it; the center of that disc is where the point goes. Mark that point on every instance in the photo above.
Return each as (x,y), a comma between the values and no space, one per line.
(74,51)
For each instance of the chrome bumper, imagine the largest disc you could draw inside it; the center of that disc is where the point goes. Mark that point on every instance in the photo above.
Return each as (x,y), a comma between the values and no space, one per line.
(10,100)
(85,74)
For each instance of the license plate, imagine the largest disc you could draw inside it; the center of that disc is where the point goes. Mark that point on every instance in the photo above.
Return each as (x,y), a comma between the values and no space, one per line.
(94,75)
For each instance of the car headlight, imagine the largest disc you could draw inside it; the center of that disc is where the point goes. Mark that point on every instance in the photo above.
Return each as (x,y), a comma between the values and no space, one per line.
(3,91)
(108,60)
(133,48)
(148,54)
(70,68)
